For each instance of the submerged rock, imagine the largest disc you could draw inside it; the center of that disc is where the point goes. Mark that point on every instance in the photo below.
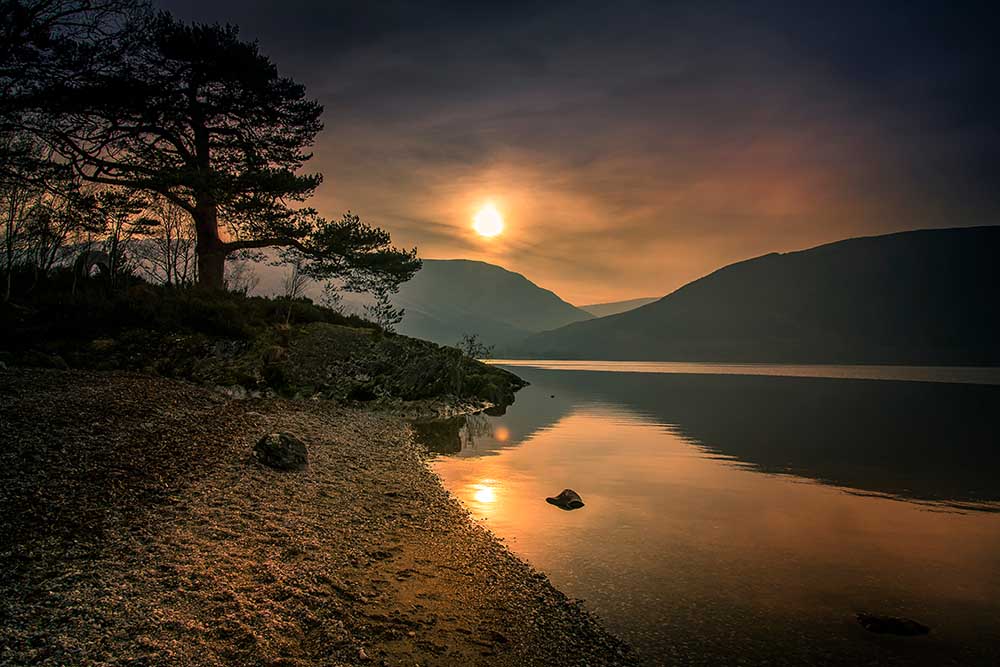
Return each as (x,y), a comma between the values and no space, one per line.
(892,625)
(567,500)
(282,451)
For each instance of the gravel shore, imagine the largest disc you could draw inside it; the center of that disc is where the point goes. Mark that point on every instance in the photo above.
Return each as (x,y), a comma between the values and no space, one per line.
(137,529)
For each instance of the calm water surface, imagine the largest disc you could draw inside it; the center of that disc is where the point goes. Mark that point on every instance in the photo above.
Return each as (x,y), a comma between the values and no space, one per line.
(747,518)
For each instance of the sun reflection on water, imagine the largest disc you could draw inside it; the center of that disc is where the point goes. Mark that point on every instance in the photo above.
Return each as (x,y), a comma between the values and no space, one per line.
(485,492)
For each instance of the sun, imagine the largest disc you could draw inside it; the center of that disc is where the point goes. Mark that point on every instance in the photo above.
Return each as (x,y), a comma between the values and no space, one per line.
(488,222)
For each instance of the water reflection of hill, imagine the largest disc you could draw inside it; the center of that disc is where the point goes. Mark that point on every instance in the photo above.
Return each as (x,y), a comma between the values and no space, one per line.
(910,439)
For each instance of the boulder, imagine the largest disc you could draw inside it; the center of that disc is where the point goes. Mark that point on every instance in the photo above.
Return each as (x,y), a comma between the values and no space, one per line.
(282,451)
(567,500)
(892,625)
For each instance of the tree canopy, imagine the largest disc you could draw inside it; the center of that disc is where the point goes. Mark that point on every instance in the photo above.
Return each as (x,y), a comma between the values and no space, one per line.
(194,114)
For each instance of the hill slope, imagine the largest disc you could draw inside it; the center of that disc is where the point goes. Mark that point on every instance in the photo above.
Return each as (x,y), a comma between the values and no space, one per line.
(915,297)
(615,307)
(449,298)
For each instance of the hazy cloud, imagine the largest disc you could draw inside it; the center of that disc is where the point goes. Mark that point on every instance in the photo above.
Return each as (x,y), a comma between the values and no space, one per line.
(635,146)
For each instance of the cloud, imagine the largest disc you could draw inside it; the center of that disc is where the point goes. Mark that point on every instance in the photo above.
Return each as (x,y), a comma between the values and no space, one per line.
(635,146)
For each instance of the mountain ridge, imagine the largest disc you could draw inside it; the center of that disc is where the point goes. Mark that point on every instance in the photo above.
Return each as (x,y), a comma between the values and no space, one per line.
(615,307)
(907,297)
(448,298)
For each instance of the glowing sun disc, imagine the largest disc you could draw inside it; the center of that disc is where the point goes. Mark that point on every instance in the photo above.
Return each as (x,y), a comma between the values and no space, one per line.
(488,222)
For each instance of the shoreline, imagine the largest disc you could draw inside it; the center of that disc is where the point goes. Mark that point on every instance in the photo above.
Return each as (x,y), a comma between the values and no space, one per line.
(139,530)
(983,375)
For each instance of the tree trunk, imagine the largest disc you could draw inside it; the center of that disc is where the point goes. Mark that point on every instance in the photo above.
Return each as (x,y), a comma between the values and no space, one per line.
(210,249)
(211,268)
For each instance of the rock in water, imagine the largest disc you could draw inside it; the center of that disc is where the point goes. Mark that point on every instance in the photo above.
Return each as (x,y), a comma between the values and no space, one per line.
(282,451)
(891,625)
(567,500)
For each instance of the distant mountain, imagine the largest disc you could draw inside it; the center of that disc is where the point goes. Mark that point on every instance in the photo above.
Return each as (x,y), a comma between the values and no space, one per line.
(450,297)
(922,297)
(615,307)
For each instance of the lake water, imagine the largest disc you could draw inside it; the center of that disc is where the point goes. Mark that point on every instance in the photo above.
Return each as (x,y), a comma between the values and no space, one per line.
(747,518)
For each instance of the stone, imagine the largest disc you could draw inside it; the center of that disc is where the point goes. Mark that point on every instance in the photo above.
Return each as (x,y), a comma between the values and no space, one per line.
(567,500)
(892,625)
(282,451)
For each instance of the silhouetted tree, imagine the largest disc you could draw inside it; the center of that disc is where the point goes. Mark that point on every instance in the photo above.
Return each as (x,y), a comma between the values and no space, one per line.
(294,285)
(43,208)
(167,255)
(471,347)
(474,348)
(121,211)
(38,38)
(19,193)
(333,298)
(203,119)
(382,312)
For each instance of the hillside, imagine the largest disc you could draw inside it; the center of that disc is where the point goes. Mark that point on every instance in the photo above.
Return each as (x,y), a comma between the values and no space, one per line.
(923,297)
(245,346)
(449,298)
(615,307)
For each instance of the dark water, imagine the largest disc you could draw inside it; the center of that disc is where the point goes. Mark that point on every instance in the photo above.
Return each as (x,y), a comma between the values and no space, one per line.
(746,519)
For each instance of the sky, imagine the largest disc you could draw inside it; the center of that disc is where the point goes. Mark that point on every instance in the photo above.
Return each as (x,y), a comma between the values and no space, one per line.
(634,146)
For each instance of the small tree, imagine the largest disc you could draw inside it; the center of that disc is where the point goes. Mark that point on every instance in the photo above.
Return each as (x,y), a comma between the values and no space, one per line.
(333,298)
(294,285)
(382,311)
(474,348)
(241,277)
(49,224)
(20,192)
(121,212)
(167,255)
(470,347)
(45,209)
